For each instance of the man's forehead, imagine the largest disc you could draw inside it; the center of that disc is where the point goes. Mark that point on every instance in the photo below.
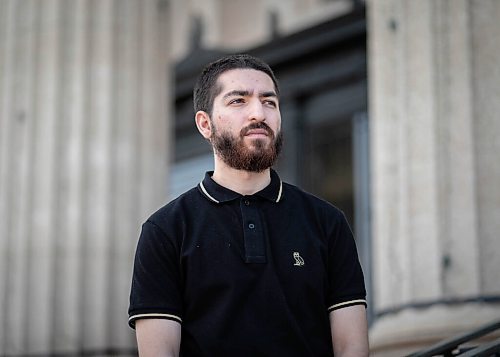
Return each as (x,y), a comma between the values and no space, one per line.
(245,79)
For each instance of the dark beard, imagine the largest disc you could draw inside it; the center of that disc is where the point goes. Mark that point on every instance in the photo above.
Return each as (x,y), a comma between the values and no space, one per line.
(235,154)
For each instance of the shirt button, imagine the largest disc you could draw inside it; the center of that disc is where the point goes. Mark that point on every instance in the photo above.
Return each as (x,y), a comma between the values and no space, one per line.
(246,202)
(251,226)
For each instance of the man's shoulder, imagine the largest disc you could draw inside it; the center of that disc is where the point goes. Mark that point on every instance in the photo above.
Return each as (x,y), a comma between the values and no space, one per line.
(297,193)
(298,196)
(180,205)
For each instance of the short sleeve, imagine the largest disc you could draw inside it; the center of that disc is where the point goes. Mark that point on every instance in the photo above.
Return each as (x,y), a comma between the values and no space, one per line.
(346,279)
(156,288)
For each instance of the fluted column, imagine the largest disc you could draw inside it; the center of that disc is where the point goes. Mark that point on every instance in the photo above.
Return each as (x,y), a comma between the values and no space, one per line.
(434,112)
(83,149)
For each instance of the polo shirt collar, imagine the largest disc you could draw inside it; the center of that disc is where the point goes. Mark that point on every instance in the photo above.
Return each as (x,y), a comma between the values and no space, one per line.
(219,194)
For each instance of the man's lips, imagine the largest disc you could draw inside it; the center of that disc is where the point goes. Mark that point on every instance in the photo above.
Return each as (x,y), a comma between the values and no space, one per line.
(256,132)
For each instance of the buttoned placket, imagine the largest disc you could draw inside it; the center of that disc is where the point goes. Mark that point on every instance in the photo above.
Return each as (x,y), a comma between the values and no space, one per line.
(253,231)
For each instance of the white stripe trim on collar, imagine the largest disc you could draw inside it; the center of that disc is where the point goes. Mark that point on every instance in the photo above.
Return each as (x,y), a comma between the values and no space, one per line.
(280,192)
(206,193)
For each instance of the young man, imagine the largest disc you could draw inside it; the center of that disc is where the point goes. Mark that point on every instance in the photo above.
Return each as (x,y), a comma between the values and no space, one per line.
(245,264)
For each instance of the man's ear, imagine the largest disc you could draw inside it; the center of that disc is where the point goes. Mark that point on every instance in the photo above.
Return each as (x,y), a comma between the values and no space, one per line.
(203,124)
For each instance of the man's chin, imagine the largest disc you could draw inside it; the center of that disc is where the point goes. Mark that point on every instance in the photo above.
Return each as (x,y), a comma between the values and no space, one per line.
(257,144)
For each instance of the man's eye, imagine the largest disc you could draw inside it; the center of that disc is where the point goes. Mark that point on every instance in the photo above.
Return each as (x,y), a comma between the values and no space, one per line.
(236,101)
(272,103)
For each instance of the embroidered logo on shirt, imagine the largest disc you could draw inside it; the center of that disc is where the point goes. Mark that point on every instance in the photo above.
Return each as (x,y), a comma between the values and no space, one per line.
(299,261)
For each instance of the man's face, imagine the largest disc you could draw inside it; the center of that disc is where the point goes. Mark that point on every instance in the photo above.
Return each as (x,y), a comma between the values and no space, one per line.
(246,121)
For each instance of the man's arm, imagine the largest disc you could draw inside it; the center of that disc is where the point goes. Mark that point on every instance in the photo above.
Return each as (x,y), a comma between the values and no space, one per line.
(158,337)
(349,331)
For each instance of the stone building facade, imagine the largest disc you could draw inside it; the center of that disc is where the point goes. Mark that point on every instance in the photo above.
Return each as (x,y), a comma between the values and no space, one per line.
(401,95)
(84,154)
(434,83)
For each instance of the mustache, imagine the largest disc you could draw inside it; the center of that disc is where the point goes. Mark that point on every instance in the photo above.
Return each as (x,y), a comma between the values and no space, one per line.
(260,125)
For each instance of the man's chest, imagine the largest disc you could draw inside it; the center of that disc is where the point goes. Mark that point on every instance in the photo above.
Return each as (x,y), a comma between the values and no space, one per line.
(251,249)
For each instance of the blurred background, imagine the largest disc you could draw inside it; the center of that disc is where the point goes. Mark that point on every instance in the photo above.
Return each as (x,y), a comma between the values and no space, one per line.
(390,110)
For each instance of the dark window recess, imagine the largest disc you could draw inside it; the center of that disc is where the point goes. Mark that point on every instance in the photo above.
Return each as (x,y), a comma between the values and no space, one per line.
(328,164)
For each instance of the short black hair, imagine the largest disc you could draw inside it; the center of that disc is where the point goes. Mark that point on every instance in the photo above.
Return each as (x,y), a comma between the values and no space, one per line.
(206,88)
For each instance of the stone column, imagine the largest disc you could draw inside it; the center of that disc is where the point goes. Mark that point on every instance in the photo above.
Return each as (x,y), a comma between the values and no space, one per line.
(83,161)
(434,89)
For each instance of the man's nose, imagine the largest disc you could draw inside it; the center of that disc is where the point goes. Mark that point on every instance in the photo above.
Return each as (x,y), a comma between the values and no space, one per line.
(256,111)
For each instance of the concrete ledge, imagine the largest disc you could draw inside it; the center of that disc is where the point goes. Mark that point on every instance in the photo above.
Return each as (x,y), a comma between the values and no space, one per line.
(410,330)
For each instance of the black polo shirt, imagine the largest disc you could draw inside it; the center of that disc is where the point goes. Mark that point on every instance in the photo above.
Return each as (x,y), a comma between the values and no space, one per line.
(247,275)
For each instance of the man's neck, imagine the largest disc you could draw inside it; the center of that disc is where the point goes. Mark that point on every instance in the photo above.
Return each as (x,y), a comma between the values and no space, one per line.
(243,182)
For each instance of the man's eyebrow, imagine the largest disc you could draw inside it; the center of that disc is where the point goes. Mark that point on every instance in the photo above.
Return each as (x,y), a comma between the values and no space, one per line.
(268,94)
(245,93)
(240,93)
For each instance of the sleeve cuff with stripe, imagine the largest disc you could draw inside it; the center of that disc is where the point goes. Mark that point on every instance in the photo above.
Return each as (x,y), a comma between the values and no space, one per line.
(343,304)
(132,319)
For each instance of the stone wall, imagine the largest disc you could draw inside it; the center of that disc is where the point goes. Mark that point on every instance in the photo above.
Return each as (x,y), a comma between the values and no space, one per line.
(434,88)
(83,160)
